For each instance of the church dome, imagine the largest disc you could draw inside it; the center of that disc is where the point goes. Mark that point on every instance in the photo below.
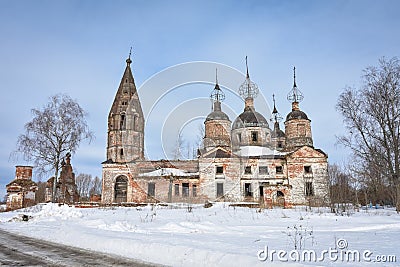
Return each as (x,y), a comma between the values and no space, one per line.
(217,115)
(277,133)
(250,118)
(296,114)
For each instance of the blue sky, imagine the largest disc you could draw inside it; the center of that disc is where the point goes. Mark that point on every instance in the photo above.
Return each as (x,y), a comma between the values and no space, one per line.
(80,47)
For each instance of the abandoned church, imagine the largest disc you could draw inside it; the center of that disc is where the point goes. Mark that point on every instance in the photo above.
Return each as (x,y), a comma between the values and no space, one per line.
(243,161)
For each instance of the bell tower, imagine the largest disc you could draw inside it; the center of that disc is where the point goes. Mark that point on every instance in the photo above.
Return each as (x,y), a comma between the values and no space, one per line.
(125,142)
(297,124)
(217,123)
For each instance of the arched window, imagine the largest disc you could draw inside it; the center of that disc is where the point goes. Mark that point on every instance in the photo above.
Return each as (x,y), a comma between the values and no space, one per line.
(120,189)
(279,194)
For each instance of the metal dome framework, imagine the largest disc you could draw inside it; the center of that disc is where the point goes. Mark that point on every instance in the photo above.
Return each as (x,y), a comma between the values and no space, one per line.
(295,95)
(248,89)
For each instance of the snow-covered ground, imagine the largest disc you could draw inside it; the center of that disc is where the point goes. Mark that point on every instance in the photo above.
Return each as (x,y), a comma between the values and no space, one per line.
(218,236)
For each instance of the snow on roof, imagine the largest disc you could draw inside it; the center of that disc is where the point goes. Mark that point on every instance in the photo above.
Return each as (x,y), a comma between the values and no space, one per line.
(169,171)
(254,151)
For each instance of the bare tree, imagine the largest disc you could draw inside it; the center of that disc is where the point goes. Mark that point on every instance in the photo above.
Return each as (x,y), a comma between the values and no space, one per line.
(372,119)
(179,146)
(56,129)
(84,184)
(96,186)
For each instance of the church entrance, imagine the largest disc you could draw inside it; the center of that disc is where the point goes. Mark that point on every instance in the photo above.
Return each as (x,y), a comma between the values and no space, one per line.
(120,189)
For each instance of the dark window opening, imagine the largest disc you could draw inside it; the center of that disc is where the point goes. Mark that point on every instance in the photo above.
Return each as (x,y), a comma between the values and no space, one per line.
(263,169)
(177,190)
(261,191)
(194,190)
(151,189)
(280,145)
(220,190)
(239,137)
(307,169)
(254,136)
(247,170)
(219,170)
(279,169)
(309,189)
(120,189)
(121,151)
(122,122)
(185,189)
(247,190)
(279,194)
(279,183)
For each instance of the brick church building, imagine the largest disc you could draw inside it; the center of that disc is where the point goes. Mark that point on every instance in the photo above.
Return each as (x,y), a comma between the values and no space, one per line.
(240,161)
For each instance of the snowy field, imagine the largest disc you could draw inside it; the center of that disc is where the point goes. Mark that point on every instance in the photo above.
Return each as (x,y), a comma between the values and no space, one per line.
(221,235)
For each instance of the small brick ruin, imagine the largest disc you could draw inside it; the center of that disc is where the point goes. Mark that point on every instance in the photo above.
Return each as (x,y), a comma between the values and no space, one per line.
(21,191)
(66,189)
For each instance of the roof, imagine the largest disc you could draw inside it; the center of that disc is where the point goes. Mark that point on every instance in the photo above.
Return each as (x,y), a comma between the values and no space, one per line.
(256,151)
(296,114)
(168,172)
(250,118)
(217,115)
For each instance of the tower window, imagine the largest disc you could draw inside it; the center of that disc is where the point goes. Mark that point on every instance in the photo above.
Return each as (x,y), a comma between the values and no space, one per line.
(309,189)
(279,169)
(247,170)
(239,137)
(301,128)
(254,136)
(219,169)
(121,151)
(122,122)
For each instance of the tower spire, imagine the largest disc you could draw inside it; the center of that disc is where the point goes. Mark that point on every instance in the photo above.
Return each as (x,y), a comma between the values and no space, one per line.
(295,96)
(276,117)
(217,95)
(128,60)
(247,70)
(248,90)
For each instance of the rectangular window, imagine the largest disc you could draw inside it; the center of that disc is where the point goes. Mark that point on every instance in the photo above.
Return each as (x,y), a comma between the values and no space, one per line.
(194,190)
(239,137)
(247,190)
(121,151)
(247,170)
(280,145)
(220,189)
(261,191)
(263,170)
(279,169)
(185,189)
(254,136)
(219,169)
(309,189)
(301,128)
(151,189)
(177,190)
(307,169)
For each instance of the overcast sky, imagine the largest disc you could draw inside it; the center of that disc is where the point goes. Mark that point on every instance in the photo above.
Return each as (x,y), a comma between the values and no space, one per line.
(79,48)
